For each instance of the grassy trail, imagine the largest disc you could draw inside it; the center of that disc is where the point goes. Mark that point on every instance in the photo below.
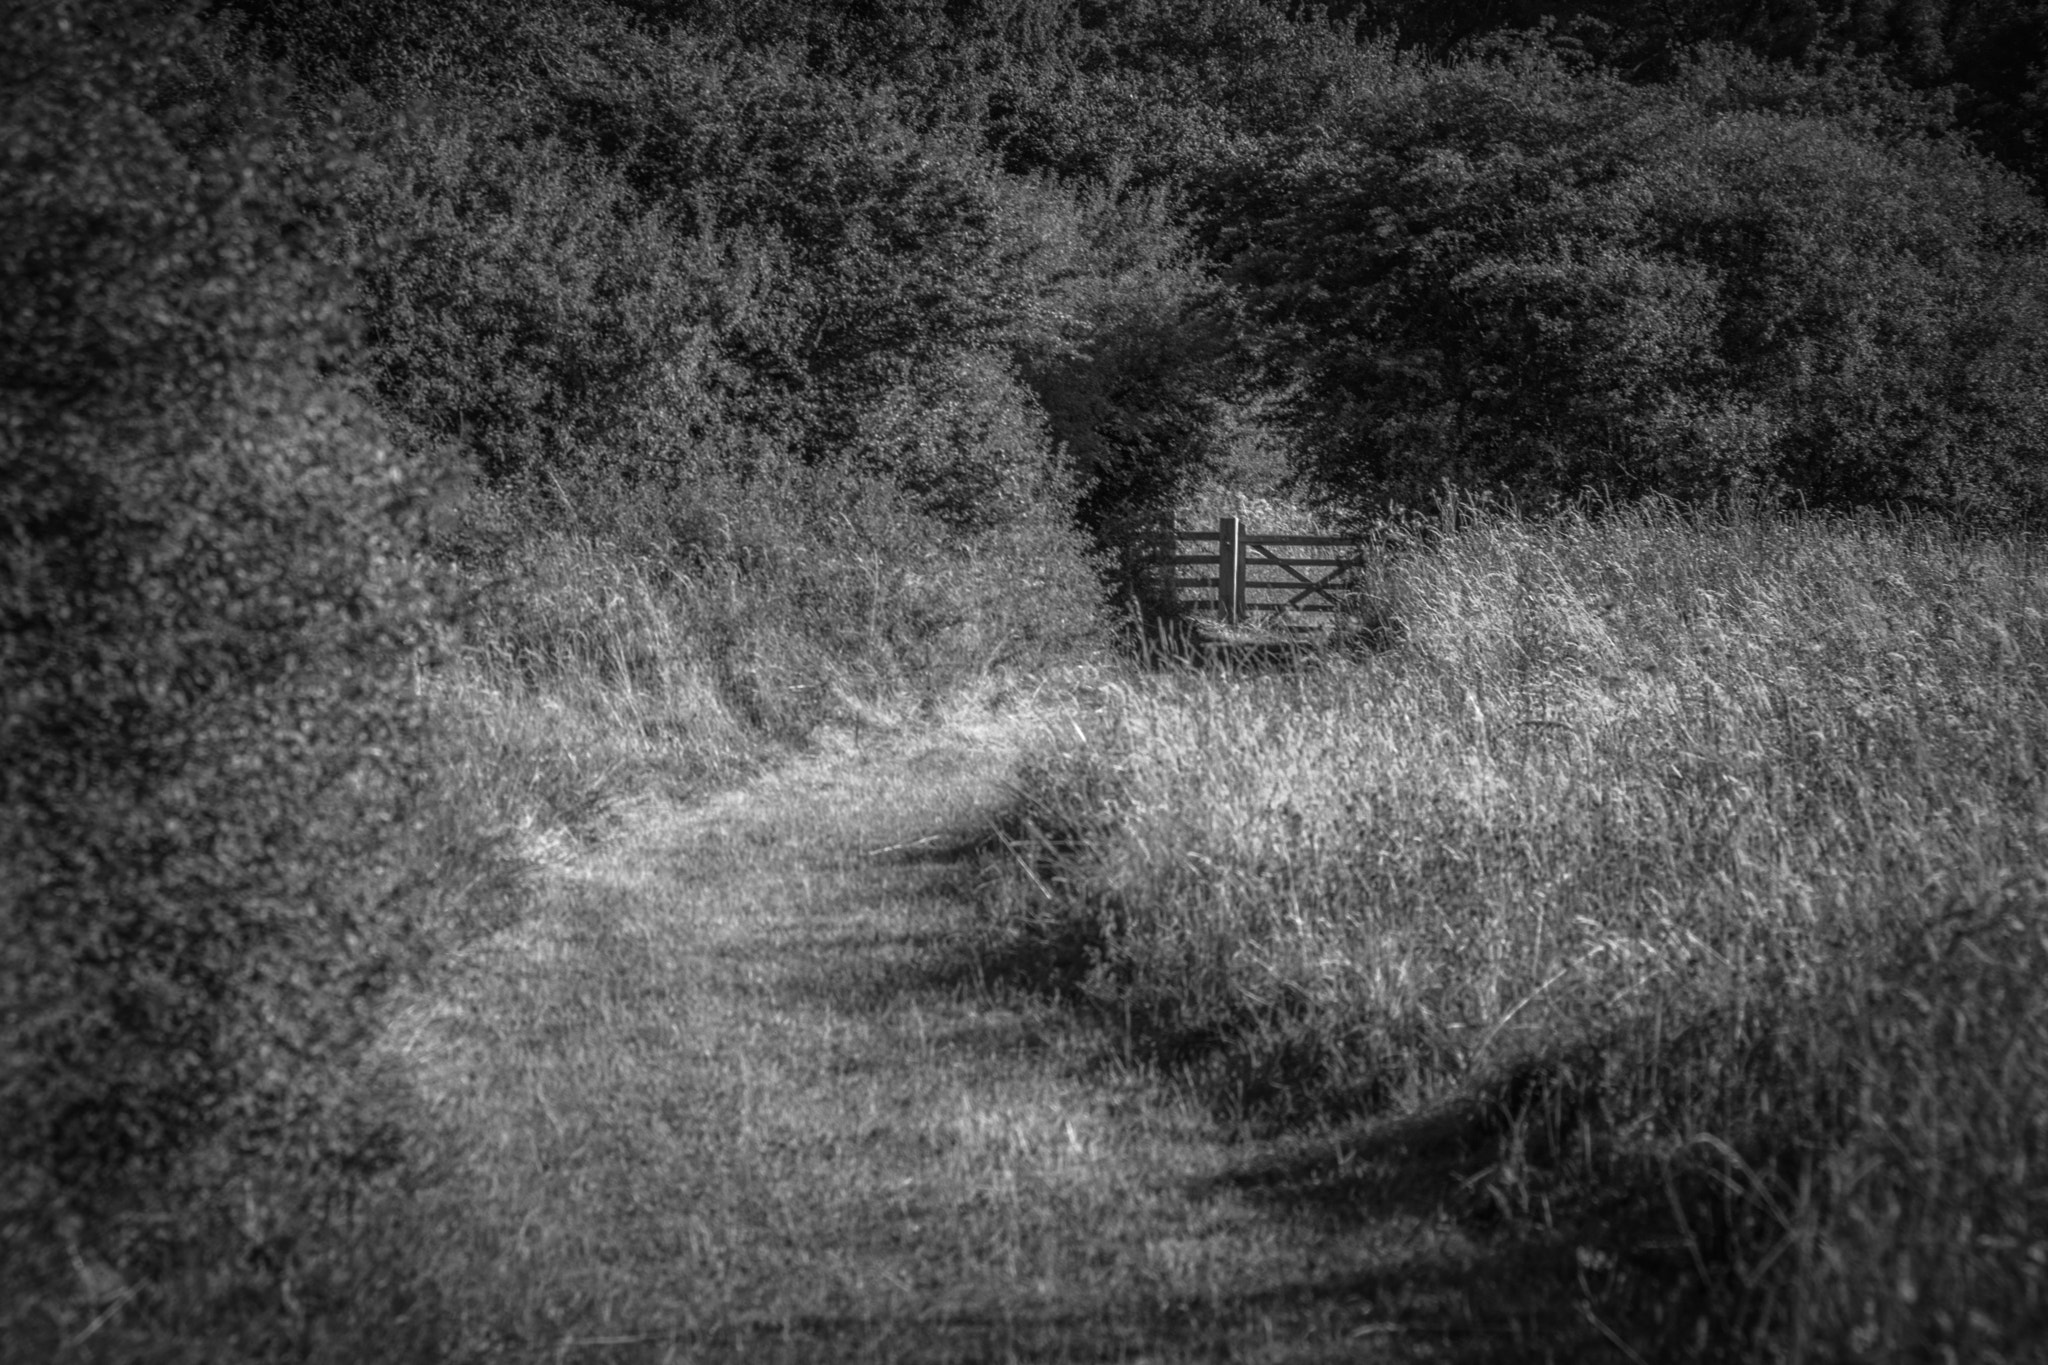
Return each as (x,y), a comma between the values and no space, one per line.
(732,1094)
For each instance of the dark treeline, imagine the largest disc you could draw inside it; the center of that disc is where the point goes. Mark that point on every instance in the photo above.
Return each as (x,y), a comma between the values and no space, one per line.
(314,313)
(1754,247)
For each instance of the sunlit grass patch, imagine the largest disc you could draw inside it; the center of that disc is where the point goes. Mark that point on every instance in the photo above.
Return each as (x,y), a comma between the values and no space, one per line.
(584,682)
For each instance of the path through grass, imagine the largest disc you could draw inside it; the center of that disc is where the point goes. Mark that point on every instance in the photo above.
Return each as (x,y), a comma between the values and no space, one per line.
(736,1093)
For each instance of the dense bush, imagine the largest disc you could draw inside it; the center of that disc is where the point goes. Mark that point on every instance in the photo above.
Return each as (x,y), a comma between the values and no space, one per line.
(1509,273)
(523,307)
(717,241)
(750,266)
(211,805)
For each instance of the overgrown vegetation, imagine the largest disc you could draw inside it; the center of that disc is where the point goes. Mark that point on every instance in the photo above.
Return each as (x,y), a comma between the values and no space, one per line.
(1700,854)
(1523,276)
(425,426)
(221,842)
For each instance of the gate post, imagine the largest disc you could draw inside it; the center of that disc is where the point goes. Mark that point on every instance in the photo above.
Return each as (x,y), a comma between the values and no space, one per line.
(1230,568)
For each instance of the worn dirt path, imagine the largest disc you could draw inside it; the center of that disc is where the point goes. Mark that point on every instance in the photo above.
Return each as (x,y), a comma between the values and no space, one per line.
(735,1093)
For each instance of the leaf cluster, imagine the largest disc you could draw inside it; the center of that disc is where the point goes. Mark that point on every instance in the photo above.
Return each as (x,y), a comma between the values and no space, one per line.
(1507,272)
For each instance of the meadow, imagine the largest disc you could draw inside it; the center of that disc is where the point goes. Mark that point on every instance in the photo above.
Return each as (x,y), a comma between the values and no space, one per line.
(1687,863)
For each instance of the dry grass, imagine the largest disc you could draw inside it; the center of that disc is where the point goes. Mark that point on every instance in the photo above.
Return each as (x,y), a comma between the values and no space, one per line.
(584,684)
(668,647)
(599,665)
(1703,853)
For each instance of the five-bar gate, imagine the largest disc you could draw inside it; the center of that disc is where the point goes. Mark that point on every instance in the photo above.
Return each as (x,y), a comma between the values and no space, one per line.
(1293,573)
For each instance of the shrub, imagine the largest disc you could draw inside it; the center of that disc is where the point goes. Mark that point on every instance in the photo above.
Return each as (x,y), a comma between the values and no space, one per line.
(1511,274)
(527,307)
(720,264)
(210,812)
(966,441)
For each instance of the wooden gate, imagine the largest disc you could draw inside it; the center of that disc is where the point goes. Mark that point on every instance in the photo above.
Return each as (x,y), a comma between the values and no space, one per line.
(1255,572)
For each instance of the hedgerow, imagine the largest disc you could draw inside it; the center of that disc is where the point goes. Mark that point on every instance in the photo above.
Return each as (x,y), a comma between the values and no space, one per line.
(215,839)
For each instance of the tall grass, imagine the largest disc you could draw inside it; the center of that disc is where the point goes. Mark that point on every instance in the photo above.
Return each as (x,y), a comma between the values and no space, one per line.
(617,650)
(578,686)
(1704,851)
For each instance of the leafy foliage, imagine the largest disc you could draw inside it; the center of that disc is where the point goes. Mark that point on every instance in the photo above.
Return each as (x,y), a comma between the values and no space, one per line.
(1508,273)
(208,628)
(527,309)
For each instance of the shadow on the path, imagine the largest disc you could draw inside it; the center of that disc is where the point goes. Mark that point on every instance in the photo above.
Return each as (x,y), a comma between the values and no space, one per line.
(1412,1311)
(1515,1294)
(1465,1287)
(1427,1165)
